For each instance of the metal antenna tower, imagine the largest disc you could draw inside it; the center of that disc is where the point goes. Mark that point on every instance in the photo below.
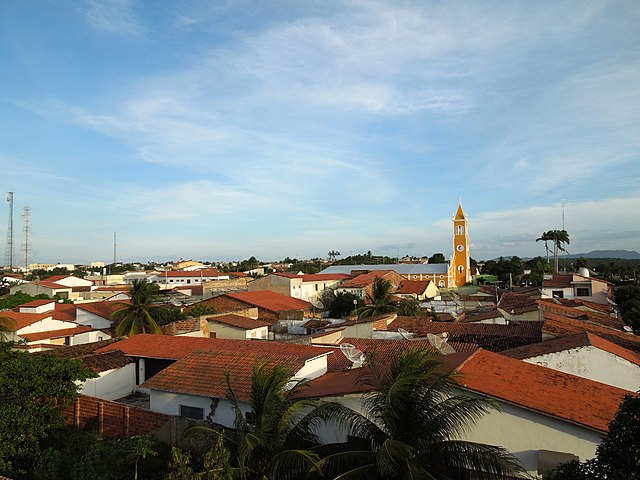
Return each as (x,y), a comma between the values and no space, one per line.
(26,228)
(8,253)
(114,248)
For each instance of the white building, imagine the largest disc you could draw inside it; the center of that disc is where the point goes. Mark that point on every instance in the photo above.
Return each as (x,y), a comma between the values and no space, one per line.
(306,287)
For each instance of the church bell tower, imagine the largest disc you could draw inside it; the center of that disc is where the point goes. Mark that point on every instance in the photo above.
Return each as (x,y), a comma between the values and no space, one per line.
(461,265)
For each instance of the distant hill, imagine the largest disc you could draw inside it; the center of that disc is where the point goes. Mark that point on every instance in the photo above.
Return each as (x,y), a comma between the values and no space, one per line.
(624,254)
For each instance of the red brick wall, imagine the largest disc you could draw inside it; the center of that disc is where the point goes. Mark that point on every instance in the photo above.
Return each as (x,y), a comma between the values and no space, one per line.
(114,420)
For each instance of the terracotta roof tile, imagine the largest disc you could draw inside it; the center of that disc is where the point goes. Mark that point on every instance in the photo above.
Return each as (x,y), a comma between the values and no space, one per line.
(413,287)
(578,400)
(324,277)
(65,332)
(494,337)
(65,312)
(79,351)
(53,285)
(96,362)
(271,301)
(570,342)
(101,309)
(203,373)
(207,272)
(25,319)
(36,303)
(366,279)
(552,305)
(174,348)
(239,321)
(478,316)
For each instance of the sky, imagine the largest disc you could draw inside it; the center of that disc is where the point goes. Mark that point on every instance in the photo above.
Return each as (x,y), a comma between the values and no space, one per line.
(223,130)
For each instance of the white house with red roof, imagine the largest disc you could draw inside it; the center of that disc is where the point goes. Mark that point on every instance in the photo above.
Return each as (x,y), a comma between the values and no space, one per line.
(573,285)
(545,417)
(180,278)
(586,355)
(228,325)
(305,286)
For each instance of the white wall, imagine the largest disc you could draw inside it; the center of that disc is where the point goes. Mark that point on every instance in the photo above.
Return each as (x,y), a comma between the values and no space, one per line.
(46,325)
(112,384)
(595,364)
(89,337)
(92,320)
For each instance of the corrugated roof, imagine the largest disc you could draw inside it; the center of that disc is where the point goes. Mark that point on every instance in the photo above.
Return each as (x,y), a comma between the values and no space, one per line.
(400,268)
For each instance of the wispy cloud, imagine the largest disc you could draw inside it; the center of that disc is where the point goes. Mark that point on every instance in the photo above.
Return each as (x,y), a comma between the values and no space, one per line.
(113,16)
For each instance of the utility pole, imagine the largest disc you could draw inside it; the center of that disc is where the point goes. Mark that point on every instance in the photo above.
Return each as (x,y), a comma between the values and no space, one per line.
(114,248)
(8,259)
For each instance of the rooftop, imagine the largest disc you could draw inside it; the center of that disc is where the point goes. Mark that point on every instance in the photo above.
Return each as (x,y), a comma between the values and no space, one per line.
(238,321)
(269,300)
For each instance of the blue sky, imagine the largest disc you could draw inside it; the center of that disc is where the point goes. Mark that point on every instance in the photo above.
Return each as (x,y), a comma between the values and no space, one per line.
(221,130)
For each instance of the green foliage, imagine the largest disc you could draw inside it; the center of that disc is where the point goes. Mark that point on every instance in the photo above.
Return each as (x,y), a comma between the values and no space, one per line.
(409,429)
(200,309)
(167,315)
(507,270)
(628,299)
(306,266)
(437,258)
(141,315)
(618,456)
(380,299)
(33,390)
(339,304)
(11,301)
(365,258)
(409,307)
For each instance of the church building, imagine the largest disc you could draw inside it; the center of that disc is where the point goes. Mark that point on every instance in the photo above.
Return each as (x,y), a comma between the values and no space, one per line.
(454,274)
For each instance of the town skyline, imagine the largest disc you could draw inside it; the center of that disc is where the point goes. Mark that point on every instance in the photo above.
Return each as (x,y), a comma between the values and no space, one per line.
(222,131)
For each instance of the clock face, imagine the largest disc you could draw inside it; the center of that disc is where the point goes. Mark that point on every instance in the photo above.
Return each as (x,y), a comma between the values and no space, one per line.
(460,248)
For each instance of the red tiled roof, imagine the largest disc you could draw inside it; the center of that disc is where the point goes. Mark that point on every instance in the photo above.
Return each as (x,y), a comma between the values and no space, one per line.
(578,400)
(551,305)
(480,315)
(237,275)
(558,280)
(172,348)
(557,394)
(55,278)
(203,373)
(570,342)
(324,277)
(97,362)
(272,301)
(114,288)
(491,336)
(101,309)
(517,303)
(415,287)
(25,319)
(36,303)
(560,325)
(65,332)
(65,312)
(365,279)
(238,321)
(52,285)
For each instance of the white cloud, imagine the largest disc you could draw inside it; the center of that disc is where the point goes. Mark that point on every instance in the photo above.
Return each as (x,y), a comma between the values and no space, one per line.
(113,16)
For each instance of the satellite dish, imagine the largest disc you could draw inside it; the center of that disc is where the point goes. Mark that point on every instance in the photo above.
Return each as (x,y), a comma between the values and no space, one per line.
(405,334)
(627,328)
(354,355)
(440,343)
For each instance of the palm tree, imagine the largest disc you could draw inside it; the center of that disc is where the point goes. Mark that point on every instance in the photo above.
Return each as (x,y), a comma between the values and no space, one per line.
(275,440)
(559,237)
(139,316)
(7,325)
(380,299)
(410,426)
(545,238)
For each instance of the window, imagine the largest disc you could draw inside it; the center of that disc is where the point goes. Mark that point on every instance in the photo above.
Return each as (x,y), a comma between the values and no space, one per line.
(557,294)
(460,269)
(316,287)
(460,248)
(196,413)
(583,292)
(460,230)
(441,283)
(188,281)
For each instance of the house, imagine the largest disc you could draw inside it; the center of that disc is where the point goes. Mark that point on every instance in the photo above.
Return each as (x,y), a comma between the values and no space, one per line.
(420,290)
(545,417)
(454,274)
(585,355)
(196,385)
(494,337)
(573,285)
(181,278)
(362,285)
(116,373)
(271,305)
(306,287)
(51,289)
(154,353)
(228,325)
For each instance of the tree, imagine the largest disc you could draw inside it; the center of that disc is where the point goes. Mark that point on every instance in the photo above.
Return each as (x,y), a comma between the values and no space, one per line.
(559,238)
(628,299)
(339,304)
(141,315)
(275,440)
(545,237)
(380,300)
(410,427)
(409,307)
(333,254)
(437,258)
(618,456)
(141,447)
(34,388)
